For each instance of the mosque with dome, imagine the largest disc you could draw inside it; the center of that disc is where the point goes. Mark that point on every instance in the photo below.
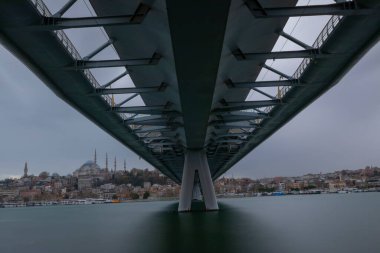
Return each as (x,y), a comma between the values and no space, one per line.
(90,174)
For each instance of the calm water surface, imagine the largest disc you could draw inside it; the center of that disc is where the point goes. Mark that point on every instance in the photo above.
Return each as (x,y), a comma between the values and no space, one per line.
(319,223)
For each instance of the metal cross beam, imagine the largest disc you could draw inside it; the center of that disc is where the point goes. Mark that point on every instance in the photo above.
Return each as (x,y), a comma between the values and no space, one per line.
(342,9)
(235,141)
(153,122)
(264,93)
(238,118)
(126,100)
(65,8)
(156,110)
(239,113)
(144,119)
(161,144)
(83,64)
(138,109)
(278,72)
(161,129)
(58,23)
(104,91)
(236,106)
(156,138)
(169,159)
(232,135)
(262,84)
(225,126)
(99,49)
(306,53)
(115,79)
(294,40)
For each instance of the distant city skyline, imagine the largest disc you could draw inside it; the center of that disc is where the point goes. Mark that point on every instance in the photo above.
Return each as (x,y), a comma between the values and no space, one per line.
(102,160)
(25,170)
(113,169)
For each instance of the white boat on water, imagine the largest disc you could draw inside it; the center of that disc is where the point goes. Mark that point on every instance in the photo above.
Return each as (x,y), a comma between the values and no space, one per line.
(96,201)
(83,202)
(9,205)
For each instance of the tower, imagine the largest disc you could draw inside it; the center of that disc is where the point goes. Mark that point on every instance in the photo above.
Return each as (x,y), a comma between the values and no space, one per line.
(26,169)
(106,162)
(95,157)
(125,166)
(114,165)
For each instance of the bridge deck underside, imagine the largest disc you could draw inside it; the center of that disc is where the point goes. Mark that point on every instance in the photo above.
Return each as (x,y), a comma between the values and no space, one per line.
(197,57)
(44,54)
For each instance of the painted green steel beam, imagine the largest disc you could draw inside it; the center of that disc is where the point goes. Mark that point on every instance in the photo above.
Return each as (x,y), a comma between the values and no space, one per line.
(115,79)
(245,105)
(238,118)
(294,40)
(154,129)
(65,8)
(83,64)
(103,91)
(306,53)
(219,125)
(56,22)
(126,100)
(263,84)
(342,9)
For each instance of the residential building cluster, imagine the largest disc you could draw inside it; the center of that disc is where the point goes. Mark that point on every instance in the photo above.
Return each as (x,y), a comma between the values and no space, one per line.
(92,181)
(367,179)
(89,181)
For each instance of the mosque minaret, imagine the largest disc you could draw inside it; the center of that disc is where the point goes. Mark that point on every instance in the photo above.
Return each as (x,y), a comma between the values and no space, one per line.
(26,170)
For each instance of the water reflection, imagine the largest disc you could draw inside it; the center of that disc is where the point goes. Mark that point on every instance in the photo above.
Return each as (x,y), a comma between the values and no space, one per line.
(228,230)
(329,223)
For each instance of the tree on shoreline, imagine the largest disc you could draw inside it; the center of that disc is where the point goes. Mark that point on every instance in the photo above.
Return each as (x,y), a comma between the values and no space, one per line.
(146,195)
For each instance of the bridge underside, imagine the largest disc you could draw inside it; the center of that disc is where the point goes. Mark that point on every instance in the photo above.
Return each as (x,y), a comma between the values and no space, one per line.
(193,63)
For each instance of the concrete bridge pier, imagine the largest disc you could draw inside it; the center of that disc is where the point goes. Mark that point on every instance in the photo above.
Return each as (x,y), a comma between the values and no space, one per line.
(196,164)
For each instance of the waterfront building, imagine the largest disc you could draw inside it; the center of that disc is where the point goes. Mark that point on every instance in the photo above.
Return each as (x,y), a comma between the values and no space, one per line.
(31,194)
(281,187)
(108,187)
(8,194)
(336,185)
(147,185)
(374,182)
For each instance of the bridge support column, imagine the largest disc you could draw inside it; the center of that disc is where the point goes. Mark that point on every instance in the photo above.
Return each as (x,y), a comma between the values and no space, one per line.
(196,161)
(197,194)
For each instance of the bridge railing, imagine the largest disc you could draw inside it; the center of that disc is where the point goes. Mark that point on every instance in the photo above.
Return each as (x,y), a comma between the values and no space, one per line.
(322,37)
(70,48)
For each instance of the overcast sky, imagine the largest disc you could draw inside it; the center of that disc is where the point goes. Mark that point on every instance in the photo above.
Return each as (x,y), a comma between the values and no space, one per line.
(341,130)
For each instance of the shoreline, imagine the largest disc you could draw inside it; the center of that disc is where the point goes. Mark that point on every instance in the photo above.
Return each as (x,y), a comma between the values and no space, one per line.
(89,201)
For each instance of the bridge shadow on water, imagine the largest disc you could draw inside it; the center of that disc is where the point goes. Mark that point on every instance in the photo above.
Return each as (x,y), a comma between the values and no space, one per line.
(226,230)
